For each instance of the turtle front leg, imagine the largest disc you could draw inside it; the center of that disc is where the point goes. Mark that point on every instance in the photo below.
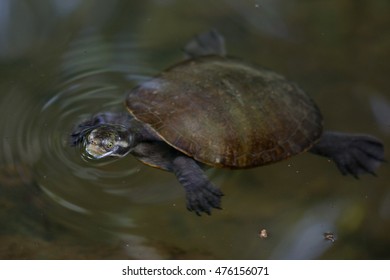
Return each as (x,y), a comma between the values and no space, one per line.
(353,154)
(201,194)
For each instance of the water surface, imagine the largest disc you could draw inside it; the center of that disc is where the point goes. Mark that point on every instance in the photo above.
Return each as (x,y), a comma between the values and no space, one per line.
(61,61)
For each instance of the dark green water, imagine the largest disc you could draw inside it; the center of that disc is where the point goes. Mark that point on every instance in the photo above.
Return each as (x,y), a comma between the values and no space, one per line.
(61,61)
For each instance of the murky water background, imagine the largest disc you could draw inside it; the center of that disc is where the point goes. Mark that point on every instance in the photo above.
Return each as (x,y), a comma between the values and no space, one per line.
(61,61)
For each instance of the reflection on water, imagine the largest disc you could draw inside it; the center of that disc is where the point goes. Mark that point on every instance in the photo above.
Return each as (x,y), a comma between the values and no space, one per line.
(57,204)
(381,109)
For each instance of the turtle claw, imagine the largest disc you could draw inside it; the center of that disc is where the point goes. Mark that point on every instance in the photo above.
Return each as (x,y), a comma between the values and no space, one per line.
(354,154)
(203,199)
(81,129)
(363,155)
(201,195)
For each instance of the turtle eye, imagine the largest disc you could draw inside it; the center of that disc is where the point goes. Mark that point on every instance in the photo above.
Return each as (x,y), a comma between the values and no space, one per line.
(108,145)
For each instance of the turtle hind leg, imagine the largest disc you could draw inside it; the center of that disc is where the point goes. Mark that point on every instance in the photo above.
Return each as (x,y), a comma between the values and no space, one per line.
(201,194)
(207,43)
(353,154)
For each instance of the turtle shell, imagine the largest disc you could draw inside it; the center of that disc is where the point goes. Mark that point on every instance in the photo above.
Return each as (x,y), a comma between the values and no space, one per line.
(227,113)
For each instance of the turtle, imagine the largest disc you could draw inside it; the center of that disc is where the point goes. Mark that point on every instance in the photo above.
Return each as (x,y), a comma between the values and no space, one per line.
(215,110)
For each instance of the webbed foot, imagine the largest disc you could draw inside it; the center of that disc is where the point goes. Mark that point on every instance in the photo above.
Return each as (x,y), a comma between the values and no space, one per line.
(202,195)
(354,154)
(202,199)
(78,134)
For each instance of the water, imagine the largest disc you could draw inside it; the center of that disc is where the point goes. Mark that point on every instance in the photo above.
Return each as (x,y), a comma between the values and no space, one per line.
(61,62)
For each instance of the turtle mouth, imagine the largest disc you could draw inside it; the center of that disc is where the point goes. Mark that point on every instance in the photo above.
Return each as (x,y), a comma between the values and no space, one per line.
(97,152)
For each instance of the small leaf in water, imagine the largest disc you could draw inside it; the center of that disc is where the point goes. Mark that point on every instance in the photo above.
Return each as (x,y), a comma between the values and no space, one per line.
(263,234)
(330,236)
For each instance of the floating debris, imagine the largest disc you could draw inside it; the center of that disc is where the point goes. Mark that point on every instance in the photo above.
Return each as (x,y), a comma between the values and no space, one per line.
(330,236)
(263,234)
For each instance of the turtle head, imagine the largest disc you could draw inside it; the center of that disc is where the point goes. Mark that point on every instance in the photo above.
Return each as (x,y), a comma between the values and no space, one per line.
(108,140)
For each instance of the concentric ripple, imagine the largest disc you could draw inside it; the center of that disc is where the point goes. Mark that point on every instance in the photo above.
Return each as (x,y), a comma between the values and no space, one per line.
(35,131)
